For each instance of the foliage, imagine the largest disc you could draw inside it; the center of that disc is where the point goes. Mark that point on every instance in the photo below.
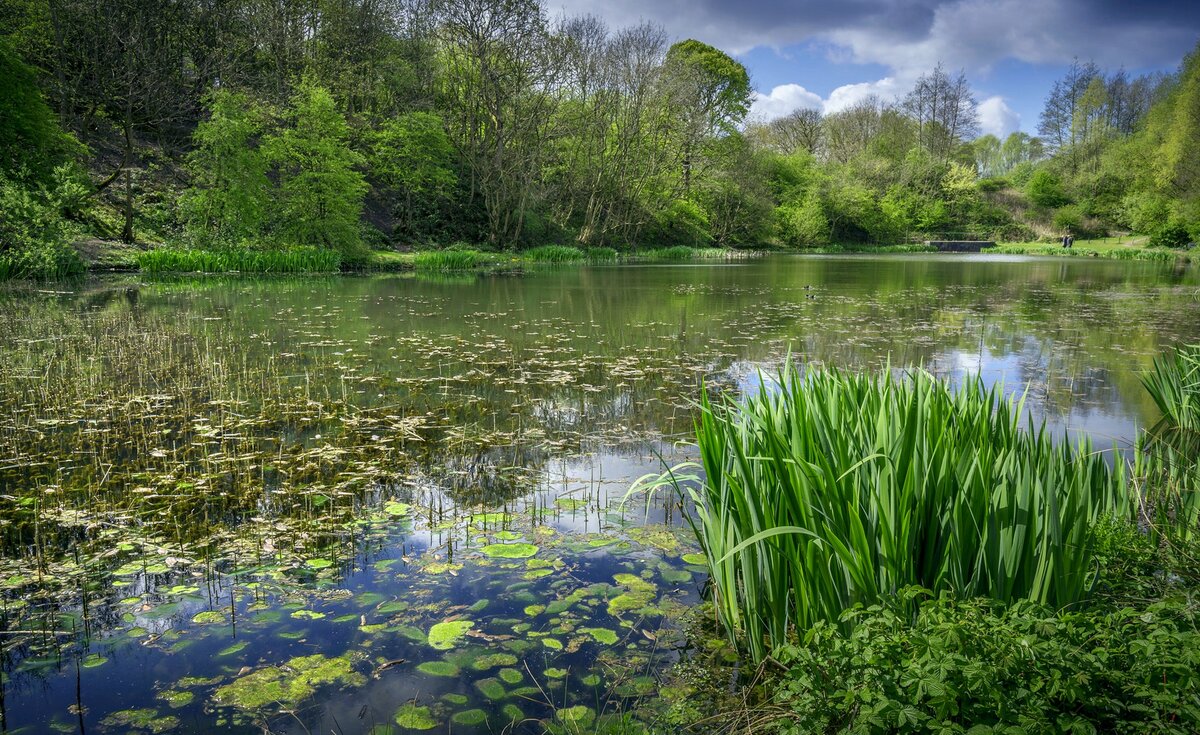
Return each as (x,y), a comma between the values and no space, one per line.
(298,259)
(411,156)
(321,190)
(34,235)
(229,200)
(1168,456)
(977,665)
(32,143)
(837,490)
(1045,190)
(676,252)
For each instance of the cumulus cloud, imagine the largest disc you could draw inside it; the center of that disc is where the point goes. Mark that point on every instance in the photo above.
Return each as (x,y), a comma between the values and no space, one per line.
(887,89)
(782,100)
(997,118)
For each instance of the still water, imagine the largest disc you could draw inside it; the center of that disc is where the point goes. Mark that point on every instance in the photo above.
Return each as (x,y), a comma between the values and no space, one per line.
(395,504)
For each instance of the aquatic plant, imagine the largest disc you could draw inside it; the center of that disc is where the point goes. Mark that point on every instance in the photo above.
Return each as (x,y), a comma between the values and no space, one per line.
(290,260)
(842,489)
(1167,459)
(601,254)
(554,254)
(677,252)
(447,260)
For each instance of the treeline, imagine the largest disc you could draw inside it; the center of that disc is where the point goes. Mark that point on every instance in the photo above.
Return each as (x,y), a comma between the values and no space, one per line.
(357,123)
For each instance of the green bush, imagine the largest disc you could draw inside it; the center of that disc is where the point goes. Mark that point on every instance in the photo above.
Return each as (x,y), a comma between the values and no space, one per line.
(1045,190)
(1069,217)
(1172,234)
(981,666)
(34,235)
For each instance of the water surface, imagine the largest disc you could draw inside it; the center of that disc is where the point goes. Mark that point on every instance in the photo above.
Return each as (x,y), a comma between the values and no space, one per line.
(393,503)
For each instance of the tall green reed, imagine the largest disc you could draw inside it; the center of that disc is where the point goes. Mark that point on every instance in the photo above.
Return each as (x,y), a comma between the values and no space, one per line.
(1167,459)
(291,260)
(841,489)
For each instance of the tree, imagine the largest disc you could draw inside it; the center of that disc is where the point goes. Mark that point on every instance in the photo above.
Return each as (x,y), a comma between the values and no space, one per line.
(228,201)
(710,96)
(1045,190)
(31,141)
(322,192)
(1057,124)
(412,157)
(945,111)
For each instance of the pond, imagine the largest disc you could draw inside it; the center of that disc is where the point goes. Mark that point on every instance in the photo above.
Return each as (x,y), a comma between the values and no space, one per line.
(393,503)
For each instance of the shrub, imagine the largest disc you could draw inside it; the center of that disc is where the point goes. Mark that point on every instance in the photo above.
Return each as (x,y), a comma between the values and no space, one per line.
(34,236)
(981,665)
(1069,217)
(1045,190)
(1172,234)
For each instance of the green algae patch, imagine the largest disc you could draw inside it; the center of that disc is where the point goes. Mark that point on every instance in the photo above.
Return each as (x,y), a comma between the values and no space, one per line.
(591,680)
(414,717)
(507,535)
(232,649)
(307,615)
(601,635)
(444,636)
(699,560)
(492,660)
(639,594)
(658,537)
(491,688)
(509,551)
(141,720)
(93,660)
(318,563)
(676,576)
(579,715)
(438,668)
(534,610)
(511,677)
(552,643)
(208,617)
(290,683)
(512,713)
(470,718)
(176,698)
(395,508)
(555,673)
(570,503)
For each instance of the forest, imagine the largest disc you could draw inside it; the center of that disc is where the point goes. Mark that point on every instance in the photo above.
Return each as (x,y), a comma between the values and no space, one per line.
(408,124)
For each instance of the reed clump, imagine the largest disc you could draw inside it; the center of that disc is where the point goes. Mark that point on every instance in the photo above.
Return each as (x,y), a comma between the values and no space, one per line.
(447,260)
(555,254)
(290,260)
(1168,453)
(839,489)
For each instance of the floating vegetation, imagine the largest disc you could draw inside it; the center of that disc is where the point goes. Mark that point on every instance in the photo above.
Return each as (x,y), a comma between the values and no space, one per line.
(469,718)
(445,635)
(290,683)
(509,551)
(415,717)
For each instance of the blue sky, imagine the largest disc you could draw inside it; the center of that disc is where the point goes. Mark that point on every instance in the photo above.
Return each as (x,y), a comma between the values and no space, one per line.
(827,55)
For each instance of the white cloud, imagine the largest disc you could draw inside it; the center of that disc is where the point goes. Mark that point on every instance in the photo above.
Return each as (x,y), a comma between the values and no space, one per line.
(997,118)
(887,89)
(782,100)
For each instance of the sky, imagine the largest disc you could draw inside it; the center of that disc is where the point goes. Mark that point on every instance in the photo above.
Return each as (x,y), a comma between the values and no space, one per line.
(828,55)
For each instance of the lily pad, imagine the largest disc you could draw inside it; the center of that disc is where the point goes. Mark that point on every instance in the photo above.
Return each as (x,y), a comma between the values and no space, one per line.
(290,683)
(438,668)
(470,718)
(510,676)
(318,563)
(208,617)
(396,508)
(443,636)
(699,560)
(491,688)
(579,715)
(509,551)
(601,635)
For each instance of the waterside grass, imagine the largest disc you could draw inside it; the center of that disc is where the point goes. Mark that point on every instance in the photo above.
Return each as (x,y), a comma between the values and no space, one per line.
(1168,455)
(290,260)
(447,260)
(1130,252)
(841,489)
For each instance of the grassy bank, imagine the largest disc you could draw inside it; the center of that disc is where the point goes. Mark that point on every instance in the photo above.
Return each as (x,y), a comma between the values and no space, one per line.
(1117,248)
(292,260)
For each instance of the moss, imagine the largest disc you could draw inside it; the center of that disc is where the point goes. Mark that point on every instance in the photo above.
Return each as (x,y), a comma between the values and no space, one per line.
(444,636)
(138,720)
(290,683)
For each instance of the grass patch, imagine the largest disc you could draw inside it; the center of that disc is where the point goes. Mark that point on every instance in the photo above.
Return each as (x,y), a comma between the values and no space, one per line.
(555,254)
(843,489)
(291,260)
(864,248)
(447,260)
(601,255)
(1168,456)
(675,253)
(1105,248)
